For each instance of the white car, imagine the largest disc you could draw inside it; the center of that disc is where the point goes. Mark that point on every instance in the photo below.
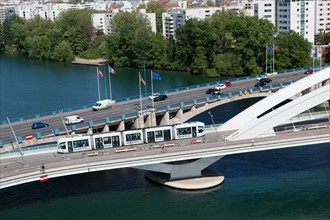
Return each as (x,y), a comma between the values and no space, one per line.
(155,95)
(261,76)
(220,86)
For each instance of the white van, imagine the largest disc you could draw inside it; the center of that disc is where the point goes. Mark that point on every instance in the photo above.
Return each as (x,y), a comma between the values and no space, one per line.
(103,104)
(73,119)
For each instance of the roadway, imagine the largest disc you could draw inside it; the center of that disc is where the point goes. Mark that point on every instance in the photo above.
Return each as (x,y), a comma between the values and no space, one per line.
(24,127)
(27,170)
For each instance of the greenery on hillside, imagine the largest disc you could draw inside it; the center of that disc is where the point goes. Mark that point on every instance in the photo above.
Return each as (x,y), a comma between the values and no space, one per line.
(226,43)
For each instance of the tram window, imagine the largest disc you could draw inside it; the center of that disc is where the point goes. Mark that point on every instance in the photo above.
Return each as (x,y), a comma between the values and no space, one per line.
(183,131)
(133,137)
(62,145)
(81,143)
(200,129)
(98,143)
(107,140)
(159,134)
(69,144)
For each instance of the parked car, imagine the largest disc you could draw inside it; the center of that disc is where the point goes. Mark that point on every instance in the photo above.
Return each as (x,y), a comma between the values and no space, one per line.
(260,84)
(210,91)
(227,83)
(37,125)
(220,86)
(160,98)
(154,96)
(266,80)
(261,76)
(309,71)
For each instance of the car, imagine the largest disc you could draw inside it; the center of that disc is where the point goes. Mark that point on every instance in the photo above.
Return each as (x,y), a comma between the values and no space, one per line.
(160,98)
(37,125)
(227,84)
(261,76)
(217,92)
(154,96)
(211,90)
(260,84)
(265,80)
(309,71)
(220,86)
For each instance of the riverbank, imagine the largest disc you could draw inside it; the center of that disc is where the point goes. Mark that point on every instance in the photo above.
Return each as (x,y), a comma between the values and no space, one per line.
(92,62)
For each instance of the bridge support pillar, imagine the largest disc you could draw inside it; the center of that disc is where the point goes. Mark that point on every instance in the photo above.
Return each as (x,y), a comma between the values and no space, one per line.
(121,126)
(166,119)
(151,119)
(139,121)
(105,128)
(192,174)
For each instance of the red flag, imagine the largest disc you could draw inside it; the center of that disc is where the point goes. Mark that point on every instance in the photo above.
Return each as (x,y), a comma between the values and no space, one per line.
(321,50)
(276,47)
(99,72)
(112,70)
(141,80)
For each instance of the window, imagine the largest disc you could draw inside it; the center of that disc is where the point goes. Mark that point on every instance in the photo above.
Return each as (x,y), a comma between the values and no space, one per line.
(184,131)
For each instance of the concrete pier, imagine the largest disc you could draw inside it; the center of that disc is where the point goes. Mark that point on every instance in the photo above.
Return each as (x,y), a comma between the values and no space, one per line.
(210,178)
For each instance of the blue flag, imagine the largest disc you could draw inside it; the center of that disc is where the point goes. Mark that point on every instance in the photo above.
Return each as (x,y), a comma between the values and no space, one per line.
(155,76)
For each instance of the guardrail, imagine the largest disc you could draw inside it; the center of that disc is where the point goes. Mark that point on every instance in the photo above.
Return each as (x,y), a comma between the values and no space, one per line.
(23,118)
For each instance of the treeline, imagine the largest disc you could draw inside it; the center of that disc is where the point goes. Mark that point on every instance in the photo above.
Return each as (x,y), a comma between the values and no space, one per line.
(227,43)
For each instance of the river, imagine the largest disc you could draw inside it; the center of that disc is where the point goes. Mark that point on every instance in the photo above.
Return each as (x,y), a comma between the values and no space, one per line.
(288,184)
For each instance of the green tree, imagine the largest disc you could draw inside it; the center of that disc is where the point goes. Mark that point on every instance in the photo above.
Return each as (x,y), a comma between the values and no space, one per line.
(14,34)
(294,51)
(63,52)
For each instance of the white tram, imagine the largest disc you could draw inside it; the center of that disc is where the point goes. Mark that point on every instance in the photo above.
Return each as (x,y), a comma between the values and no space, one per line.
(79,143)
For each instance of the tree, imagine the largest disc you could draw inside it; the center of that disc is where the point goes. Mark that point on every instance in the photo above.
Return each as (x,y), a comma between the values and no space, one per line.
(158,9)
(63,52)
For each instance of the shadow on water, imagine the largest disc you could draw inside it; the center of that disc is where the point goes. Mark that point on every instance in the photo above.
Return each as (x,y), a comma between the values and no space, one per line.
(75,185)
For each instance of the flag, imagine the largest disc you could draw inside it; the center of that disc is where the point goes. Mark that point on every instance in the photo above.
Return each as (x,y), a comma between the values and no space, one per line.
(155,76)
(321,50)
(112,70)
(141,80)
(276,48)
(99,72)
(269,48)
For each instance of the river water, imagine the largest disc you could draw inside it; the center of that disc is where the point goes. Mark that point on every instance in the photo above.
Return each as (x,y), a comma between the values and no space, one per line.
(288,184)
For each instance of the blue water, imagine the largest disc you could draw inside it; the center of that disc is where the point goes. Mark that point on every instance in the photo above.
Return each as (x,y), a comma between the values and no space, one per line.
(291,183)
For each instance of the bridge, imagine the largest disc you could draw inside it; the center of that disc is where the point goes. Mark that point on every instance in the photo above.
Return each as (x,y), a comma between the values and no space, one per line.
(181,105)
(184,163)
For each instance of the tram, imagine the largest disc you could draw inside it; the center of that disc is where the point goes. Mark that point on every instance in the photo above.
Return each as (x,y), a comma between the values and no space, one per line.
(79,143)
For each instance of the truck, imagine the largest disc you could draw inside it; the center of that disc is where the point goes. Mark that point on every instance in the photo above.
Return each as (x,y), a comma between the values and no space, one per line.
(102,104)
(73,119)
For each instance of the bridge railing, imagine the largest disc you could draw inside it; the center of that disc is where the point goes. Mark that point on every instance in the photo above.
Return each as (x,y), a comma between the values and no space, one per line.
(35,116)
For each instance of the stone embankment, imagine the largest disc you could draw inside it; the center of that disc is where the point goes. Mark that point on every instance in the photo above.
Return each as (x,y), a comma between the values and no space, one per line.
(93,62)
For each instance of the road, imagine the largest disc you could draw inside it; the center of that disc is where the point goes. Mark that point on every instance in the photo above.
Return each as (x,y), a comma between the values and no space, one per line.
(57,164)
(24,127)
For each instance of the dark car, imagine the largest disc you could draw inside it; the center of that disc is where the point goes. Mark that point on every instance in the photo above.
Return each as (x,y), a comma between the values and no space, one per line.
(37,125)
(217,92)
(160,98)
(309,72)
(211,91)
(260,84)
(266,80)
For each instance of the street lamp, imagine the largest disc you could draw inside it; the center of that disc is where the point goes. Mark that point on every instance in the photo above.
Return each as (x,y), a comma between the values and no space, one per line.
(214,125)
(145,78)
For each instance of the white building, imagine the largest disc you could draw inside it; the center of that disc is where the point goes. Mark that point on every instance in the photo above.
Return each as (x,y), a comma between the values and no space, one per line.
(322,15)
(101,21)
(265,9)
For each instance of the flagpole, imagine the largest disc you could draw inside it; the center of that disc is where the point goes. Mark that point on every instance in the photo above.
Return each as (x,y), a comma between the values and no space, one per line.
(140,92)
(98,82)
(110,81)
(266,59)
(152,90)
(273,58)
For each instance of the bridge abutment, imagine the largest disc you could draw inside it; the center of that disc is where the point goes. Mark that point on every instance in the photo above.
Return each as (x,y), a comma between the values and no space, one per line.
(192,174)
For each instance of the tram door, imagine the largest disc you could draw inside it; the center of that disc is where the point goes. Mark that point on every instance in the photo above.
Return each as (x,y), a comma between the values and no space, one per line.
(167,135)
(194,133)
(70,149)
(115,141)
(151,136)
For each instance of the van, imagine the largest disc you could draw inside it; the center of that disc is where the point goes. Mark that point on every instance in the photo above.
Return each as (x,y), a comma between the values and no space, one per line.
(102,104)
(73,119)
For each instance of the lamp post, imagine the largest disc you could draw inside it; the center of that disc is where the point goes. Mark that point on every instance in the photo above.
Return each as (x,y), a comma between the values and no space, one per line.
(145,78)
(214,125)
(104,75)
